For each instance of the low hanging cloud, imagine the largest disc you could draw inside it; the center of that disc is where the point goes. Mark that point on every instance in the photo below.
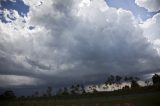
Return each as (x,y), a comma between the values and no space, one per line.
(150,5)
(72,40)
(15,80)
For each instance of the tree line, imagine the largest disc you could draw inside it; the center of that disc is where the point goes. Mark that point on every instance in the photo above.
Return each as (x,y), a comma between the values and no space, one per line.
(79,89)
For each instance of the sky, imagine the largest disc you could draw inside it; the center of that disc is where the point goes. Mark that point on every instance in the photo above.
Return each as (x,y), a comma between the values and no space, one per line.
(63,42)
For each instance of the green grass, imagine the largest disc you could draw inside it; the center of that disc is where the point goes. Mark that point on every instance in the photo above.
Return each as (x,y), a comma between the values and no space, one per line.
(136,99)
(149,99)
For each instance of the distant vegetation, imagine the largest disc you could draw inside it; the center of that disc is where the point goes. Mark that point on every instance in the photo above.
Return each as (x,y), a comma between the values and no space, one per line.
(114,82)
(77,94)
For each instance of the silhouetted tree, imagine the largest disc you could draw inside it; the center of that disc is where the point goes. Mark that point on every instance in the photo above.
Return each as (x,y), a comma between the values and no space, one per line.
(156,79)
(9,94)
(134,84)
(83,89)
(118,80)
(126,79)
(65,91)
(72,89)
(111,80)
(77,88)
(130,79)
(49,91)
(59,92)
(147,83)
(125,87)
(105,87)
(94,89)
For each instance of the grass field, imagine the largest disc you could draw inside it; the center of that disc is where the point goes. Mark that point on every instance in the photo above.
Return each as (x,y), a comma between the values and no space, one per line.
(145,99)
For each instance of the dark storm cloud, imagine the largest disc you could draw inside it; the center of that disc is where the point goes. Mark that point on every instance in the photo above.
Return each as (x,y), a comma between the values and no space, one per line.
(80,42)
(37,64)
(9,67)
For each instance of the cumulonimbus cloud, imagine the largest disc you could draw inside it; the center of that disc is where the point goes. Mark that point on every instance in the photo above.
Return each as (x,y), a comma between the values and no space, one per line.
(76,40)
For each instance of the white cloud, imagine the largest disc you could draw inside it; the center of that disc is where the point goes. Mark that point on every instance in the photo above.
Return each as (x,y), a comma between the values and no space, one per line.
(12,0)
(151,31)
(33,3)
(150,5)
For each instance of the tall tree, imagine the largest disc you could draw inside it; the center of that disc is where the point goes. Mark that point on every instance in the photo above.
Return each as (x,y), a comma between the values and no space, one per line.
(49,91)
(147,82)
(83,89)
(134,84)
(118,80)
(72,89)
(156,79)
(110,80)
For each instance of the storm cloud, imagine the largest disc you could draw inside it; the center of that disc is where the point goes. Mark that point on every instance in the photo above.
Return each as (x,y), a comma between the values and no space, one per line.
(77,40)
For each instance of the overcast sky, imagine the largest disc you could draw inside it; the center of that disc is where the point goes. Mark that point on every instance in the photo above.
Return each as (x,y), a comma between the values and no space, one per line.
(61,42)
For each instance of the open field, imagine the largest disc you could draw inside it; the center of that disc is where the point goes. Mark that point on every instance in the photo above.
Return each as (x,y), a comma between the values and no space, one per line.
(145,99)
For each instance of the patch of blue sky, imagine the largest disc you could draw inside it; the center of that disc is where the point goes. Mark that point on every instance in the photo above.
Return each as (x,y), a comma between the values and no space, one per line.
(138,12)
(18,5)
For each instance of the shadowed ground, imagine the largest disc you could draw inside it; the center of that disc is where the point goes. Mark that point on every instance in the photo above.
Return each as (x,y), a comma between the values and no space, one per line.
(142,99)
